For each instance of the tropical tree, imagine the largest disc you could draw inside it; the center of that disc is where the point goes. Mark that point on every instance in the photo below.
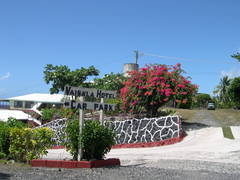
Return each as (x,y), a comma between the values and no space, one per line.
(59,76)
(236,56)
(155,85)
(202,100)
(221,89)
(110,81)
(234,91)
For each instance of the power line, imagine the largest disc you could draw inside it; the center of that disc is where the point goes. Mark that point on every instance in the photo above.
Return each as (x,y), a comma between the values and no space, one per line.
(138,54)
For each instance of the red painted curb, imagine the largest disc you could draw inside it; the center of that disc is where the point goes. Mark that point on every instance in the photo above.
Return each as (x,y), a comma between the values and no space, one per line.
(53,163)
(58,147)
(145,144)
(38,162)
(150,144)
(74,164)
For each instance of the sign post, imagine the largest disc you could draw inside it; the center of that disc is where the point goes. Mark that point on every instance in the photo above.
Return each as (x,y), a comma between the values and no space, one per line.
(101,118)
(81,123)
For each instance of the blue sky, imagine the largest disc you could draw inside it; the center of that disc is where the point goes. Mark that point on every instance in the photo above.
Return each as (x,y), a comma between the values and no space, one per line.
(203,34)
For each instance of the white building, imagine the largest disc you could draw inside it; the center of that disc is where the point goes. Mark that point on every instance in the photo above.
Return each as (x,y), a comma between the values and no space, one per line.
(26,108)
(30,100)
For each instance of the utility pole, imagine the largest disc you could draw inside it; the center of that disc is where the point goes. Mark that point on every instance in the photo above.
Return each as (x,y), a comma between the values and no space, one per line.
(136,56)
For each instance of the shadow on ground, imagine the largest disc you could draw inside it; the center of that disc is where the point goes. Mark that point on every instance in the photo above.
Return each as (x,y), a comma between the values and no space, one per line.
(4,176)
(187,126)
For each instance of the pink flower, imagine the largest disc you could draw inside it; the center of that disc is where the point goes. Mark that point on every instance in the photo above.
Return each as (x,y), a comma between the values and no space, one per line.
(148,93)
(181,85)
(184,101)
(134,103)
(168,92)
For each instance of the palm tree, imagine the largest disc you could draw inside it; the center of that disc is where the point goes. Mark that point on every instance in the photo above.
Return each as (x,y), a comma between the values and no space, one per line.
(236,56)
(221,89)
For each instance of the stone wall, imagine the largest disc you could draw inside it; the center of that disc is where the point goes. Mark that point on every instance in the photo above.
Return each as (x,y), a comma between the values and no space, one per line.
(58,126)
(146,130)
(133,130)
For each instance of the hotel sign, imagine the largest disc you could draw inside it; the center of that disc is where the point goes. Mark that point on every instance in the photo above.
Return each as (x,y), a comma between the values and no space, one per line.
(89,105)
(88,92)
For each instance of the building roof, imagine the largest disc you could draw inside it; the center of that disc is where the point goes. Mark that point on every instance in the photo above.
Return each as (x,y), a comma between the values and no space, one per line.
(37,97)
(19,115)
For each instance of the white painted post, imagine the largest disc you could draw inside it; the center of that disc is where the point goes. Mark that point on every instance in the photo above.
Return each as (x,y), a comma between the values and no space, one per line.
(81,124)
(101,118)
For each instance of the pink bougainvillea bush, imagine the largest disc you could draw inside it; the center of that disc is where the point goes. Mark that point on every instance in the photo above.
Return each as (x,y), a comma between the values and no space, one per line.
(153,86)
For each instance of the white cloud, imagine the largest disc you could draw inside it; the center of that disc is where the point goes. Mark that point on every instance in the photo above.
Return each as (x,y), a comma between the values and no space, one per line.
(231,73)
(5,76)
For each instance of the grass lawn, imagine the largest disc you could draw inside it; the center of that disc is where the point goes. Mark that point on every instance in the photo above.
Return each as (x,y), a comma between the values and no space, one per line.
(186,114)
(227,117)
(227,132)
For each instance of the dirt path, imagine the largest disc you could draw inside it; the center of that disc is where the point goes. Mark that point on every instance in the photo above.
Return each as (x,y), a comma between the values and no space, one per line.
(206,117)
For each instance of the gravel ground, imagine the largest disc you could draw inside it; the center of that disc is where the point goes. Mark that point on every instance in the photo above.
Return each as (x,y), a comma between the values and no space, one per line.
(206,117)
(170,169)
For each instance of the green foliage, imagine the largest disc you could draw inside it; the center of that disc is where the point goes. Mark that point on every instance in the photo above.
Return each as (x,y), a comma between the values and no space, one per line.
(201,100)
(187,104)
(167,112)
(221,89)
(110,82)
(68,113)
(234,92)
(5,135)
(12,122)
(118,106)
(96,140)
(4,140)
(236,56)
(59,76)
(49,114)
(27,144)
(72,137)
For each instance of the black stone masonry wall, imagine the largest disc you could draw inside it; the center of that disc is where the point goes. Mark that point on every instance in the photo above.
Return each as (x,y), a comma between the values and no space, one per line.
(146,130)
(132,130)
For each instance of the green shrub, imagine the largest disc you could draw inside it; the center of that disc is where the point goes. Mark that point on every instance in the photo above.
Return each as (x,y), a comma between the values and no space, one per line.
(27,144)
(12,122)
(96,140)
(71,137)
(4,140)
(167,112)
(5,135)
(47,114)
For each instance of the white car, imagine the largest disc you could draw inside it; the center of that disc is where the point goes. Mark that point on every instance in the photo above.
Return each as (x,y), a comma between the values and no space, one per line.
(211,106)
